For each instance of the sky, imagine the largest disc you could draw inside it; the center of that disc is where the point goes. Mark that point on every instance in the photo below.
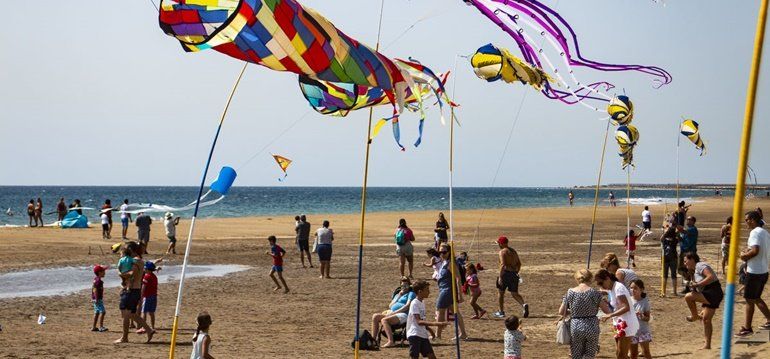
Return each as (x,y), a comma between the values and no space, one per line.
(99,95)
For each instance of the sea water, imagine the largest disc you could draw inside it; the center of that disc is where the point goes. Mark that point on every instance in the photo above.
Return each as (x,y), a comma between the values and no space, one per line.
(68,280)
(290,201)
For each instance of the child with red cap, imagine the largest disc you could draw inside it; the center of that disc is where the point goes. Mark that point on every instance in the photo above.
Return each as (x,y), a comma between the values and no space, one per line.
(97,298)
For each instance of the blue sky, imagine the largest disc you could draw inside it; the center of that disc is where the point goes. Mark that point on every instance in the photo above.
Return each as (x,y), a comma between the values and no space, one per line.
(98,95)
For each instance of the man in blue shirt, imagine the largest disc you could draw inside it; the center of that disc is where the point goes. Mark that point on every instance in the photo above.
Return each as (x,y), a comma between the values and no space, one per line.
(688,243)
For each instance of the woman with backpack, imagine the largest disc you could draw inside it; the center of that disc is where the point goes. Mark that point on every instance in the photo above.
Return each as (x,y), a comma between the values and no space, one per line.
(404,248)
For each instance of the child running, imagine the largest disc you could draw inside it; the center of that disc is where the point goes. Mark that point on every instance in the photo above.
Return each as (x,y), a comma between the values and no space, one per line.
(97,298)
(642,308)
(149,294)
(418,330)
(435,262)
(472,282)
(277,253)
(202,340)
(513,338)
(630,243)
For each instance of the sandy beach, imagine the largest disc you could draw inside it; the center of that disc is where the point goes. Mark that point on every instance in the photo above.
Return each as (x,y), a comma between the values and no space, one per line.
(316,319)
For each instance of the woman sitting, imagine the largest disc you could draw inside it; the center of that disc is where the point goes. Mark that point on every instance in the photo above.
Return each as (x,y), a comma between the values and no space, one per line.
(396,315)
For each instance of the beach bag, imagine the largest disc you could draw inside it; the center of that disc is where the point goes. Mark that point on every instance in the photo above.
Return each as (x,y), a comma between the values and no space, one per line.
(562,331)
(401,236)
(366,342)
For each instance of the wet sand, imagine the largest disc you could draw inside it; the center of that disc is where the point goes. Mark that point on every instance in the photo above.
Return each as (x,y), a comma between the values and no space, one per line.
(317,318)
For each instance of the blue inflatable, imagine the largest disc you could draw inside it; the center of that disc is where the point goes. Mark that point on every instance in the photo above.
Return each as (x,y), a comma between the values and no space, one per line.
(74,220)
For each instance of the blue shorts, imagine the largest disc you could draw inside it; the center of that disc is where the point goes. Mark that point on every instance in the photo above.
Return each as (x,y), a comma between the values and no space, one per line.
(129,299)
(149,304)
(277,268)
(124,221)
(324,252)
(99,306)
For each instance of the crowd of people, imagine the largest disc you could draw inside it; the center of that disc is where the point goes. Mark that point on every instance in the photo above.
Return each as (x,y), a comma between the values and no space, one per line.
(614,291)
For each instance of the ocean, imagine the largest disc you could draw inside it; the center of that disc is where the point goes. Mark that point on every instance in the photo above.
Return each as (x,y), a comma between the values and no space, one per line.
(275,201)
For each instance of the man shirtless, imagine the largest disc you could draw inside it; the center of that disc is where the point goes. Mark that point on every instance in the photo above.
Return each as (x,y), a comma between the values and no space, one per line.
(510,265)
(130,296)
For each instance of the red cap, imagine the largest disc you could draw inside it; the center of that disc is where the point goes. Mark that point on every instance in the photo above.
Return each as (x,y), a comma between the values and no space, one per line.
(502,240)
(99,268)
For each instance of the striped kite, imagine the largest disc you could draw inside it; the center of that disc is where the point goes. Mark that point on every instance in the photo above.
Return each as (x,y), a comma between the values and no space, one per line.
(283,35)
(690,129)
(627,137)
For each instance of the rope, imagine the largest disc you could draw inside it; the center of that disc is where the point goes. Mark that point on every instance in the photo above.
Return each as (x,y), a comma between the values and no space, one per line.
(357,345)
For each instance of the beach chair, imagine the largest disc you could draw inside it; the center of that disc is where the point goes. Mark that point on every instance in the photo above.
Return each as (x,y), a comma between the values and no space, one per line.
(399,334)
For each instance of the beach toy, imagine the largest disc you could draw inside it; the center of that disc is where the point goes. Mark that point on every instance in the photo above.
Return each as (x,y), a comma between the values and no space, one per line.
(116,247)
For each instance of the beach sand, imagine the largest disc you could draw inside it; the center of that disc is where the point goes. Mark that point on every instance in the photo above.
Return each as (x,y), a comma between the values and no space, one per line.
(317,318)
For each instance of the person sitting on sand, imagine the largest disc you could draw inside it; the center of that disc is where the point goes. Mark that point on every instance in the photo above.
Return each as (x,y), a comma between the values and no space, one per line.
(130,296)
(705,289)
(277,253)
(612,265)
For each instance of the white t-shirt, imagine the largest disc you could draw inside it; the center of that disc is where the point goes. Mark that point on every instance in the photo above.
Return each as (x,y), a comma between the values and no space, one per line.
(759,263)
(646,216)
(632,323)
(412,328)
(170,227)
(325,235)
(123,208)
(105,218)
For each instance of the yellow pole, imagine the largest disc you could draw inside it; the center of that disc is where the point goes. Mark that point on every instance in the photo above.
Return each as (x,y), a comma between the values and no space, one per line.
(740,182)
(178,308)
(596,196)
(357,349)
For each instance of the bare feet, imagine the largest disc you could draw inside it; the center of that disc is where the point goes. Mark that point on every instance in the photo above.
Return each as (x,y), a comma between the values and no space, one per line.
(693,319)
(121,340)
(388,345)
(275,289)
(149,335)
(322,277)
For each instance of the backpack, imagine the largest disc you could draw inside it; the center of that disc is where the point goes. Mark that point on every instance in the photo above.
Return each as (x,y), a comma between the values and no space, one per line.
(401,236)
(366,341)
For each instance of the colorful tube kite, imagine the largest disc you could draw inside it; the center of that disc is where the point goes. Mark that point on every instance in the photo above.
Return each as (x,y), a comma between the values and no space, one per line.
(690,129)
(283,35)
(528,21)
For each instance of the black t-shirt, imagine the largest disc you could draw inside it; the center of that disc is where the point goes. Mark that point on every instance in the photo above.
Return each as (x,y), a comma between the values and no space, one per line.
(442,229)
(669,247)
(303,231)
(143,222)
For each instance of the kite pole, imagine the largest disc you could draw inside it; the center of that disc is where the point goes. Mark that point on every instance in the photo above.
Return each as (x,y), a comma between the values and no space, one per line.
(740,181)
(678,139)
(451,217)
(596,195)
(628,204)
(356,351)
(195,214)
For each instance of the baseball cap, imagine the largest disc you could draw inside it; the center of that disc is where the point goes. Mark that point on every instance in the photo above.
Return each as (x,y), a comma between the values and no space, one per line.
(502,240)
(149,265)
(99,268)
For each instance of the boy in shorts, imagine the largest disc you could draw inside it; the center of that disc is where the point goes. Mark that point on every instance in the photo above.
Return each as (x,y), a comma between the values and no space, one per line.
(149,294)
(418,330)
(277,253)
(97,298)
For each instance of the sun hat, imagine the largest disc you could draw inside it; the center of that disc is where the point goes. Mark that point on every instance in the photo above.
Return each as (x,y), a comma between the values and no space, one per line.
(169,214)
